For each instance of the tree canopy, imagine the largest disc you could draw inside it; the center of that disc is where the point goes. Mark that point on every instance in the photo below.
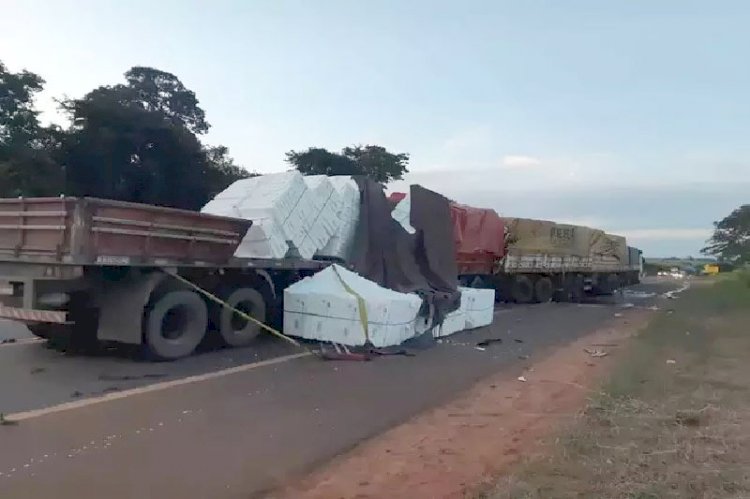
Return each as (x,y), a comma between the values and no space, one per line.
(26,166)
(371,160)
(136,141)
(731,238)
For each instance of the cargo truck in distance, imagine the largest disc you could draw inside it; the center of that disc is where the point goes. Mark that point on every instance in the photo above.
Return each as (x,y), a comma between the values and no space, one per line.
(90,270)
(531,261)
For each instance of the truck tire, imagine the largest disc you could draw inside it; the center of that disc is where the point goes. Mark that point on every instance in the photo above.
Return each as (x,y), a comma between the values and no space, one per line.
(175,324)
(523,289)
(234,330)
(543,290)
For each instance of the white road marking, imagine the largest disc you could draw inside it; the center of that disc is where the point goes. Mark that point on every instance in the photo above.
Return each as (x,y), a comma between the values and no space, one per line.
(108,397)
(22,341)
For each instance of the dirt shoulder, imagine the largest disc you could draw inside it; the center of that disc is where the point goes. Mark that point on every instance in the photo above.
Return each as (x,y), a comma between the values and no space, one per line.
(452,450)
(672,420)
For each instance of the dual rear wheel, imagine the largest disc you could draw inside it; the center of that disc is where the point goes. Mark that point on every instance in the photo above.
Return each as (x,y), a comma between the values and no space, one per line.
(177,321)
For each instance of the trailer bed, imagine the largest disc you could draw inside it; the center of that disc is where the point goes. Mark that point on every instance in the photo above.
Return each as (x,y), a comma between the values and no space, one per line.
(89,231)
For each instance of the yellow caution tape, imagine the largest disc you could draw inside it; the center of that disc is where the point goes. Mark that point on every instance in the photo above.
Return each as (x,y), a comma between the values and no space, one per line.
(360,304)
(242,314)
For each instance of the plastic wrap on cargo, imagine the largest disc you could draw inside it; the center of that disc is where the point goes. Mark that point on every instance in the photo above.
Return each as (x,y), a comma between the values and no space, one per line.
(289,212)
(402,214)
(608,247)
(527,236)
(326,307)
(346,218)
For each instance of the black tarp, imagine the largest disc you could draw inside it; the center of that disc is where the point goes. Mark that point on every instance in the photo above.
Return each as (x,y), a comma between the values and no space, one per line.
(423,262)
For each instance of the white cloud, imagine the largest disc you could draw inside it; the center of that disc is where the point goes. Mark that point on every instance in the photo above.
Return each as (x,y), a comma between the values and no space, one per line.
(665,234)
(521,161)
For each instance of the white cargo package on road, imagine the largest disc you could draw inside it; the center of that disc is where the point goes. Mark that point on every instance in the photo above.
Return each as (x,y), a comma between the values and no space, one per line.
(477,310)
(480,306)
(326,307)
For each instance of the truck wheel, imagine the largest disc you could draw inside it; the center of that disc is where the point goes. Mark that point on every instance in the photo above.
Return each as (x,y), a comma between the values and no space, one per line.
(577,292)
(175,325)
(543,290)
(523,289)
(235,330)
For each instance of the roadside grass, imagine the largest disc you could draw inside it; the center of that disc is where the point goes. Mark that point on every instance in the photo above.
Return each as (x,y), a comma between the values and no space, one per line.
(672,420)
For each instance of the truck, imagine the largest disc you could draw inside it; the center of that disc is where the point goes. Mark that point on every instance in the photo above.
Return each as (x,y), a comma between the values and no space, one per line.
(90,270)
(531,261)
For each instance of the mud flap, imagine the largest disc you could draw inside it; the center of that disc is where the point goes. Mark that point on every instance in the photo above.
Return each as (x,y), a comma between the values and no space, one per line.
(121,307)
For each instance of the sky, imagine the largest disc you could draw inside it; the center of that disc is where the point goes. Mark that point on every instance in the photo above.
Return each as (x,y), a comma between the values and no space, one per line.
(630,116)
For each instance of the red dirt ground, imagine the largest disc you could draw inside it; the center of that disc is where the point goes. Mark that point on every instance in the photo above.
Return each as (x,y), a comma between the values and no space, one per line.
(452,450)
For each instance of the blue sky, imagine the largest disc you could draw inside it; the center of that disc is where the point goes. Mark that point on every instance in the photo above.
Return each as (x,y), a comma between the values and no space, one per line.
(632,116)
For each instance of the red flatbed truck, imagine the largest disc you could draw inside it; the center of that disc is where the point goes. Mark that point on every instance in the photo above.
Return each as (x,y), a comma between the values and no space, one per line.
(94,270)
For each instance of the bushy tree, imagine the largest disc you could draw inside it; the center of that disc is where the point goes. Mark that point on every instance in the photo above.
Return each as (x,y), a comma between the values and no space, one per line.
(137,142)
(26,165)
(731,238)
(372,161)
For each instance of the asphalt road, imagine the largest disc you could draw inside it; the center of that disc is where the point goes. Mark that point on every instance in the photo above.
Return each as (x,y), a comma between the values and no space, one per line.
(240,433)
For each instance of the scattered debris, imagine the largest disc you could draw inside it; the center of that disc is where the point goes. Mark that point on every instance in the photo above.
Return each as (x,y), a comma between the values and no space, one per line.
(360,357)
(517,340)
(76,394)
(6,422)
(671,361)
(481,349)
(618,314)
(522,379)
(37,370)
(627,305)
(523,357)
(129,377)
(596,352)
(7,340)
(489,341)
(387,351)
(670,311)
(609,345)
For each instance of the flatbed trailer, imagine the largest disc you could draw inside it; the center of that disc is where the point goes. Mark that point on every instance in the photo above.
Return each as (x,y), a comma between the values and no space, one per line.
(92,270)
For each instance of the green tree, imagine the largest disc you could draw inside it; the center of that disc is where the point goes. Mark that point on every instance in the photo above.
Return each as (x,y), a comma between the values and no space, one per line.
(26,166)
(137,142)
(731,238)
(222,169)
(372,161)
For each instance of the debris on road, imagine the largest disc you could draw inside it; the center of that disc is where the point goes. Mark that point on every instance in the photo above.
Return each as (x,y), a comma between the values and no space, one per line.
(481,349)
(6,422)
(7,340)
(522,379)
(387,352)
(671,361)
(76,394)
(596,352)
(618,314)
(360,357)
(37,370)
(130,377)
(523,357)
(488,342)
(517,340)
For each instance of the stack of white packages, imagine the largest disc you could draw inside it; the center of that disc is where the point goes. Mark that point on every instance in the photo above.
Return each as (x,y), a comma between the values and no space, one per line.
(322,218)
(287,209)
(476,310)
(346,218)
(325,307)
(402,214)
